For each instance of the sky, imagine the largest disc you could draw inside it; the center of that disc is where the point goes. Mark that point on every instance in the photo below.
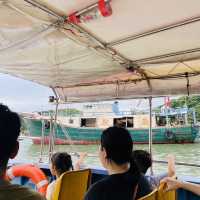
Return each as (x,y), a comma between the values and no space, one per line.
(26,96)
(23,96)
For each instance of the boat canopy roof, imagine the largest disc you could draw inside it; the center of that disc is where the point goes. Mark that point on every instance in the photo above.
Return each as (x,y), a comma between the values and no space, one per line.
(142,48)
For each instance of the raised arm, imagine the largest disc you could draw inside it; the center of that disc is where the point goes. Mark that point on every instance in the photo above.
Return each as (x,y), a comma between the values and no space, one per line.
(171,165)
(173,184)
(80,161)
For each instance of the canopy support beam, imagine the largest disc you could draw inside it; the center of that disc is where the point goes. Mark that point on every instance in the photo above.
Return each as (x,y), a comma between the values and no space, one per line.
(43,8)
(178,53)
(101,46)
(154,31)
(167,76)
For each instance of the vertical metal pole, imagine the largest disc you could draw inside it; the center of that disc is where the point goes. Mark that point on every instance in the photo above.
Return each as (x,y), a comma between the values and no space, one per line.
(57,103)
(53,127)
(186,115)
(194,117)
(56,113)
(186,118)
(55,118)
(55,123)
(42,142)
(51,139)
(167,120)
(150,131)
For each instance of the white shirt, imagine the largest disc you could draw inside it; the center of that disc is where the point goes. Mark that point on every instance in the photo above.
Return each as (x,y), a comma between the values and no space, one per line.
(50,190)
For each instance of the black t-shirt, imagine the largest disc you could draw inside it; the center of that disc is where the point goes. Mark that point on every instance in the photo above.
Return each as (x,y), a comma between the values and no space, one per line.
(118,187)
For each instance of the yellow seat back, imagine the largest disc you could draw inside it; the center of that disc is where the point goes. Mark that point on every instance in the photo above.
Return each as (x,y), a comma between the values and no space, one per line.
(72,185)
(163,195)
(151,196)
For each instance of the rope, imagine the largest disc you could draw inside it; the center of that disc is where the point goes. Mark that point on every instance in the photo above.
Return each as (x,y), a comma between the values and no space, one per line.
(68,137)
(177,163)
(42,142)
(188,83)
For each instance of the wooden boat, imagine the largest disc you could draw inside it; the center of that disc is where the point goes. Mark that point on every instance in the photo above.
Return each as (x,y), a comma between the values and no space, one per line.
(169,126)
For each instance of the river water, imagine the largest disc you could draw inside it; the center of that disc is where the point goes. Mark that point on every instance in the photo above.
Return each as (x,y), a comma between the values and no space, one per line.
(187,153)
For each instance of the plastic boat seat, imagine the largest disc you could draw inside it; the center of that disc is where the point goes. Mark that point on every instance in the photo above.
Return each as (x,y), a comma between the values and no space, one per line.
(151,196)
(160,194)
(72,185)
(163,195)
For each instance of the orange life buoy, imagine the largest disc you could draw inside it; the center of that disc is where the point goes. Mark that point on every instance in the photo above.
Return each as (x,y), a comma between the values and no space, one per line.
(32,172)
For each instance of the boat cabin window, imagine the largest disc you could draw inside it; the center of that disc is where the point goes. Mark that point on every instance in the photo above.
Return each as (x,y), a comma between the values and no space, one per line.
(177,120)
(125,122)
(129,122)
(88,122)
(171,120)
(161,121)
(71,121)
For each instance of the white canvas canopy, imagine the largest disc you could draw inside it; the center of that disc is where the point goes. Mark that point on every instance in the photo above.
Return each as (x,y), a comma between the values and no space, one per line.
(144,48)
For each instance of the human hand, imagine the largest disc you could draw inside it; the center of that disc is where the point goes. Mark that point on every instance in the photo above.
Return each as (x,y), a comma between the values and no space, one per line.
(171,165)
(172,184)
(171,157)
(82,155)
(79,162)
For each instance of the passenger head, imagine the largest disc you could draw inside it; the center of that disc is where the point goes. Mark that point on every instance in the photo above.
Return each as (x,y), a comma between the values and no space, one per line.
(142,159)
(9,132)
(116,146)
(60,163)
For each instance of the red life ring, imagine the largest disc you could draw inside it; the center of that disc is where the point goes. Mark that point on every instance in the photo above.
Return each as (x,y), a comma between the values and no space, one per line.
(32,172)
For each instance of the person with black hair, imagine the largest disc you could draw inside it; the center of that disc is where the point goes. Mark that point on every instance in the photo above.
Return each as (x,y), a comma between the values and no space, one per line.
(124,180)
(144,161)
(9,132)
(61,162)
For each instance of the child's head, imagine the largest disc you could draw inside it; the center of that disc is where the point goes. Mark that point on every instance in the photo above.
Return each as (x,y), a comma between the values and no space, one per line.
(142,159)
(60,163)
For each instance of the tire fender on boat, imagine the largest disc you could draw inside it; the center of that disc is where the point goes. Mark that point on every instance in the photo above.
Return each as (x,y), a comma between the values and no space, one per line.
(169,134)
(32,172)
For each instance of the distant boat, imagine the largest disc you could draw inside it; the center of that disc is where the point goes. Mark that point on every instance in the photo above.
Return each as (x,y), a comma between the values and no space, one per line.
(168,126)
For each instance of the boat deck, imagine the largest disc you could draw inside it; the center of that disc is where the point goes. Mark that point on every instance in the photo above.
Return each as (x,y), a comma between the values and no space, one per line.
(98,173)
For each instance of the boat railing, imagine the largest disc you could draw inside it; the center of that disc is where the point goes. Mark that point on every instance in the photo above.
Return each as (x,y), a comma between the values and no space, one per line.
(120,113)
(155,161)
(178,163)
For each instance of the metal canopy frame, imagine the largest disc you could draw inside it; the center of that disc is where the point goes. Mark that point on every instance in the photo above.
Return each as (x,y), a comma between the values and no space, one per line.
(141,69)
(161,29)
(108,47)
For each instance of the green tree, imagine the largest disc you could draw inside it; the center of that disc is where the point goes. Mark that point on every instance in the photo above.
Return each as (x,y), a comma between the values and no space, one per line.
(190,102)
(62,112)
